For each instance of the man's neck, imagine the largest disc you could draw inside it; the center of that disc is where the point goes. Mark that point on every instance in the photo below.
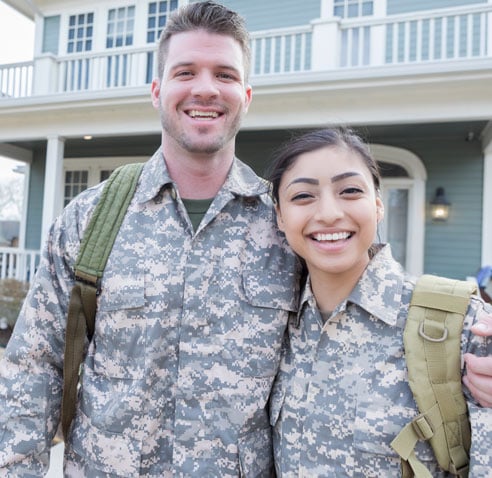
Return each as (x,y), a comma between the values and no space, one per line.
(198,176)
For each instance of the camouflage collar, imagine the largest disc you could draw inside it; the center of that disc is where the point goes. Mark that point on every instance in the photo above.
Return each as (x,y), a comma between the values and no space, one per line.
(378,291)
(241,180)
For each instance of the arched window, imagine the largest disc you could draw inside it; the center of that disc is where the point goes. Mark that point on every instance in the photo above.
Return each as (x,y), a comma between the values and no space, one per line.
(403,194)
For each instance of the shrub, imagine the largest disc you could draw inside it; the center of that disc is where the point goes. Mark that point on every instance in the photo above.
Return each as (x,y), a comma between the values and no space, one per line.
(12,294)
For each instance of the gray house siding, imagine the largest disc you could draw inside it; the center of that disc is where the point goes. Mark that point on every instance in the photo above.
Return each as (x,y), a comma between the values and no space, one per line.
(35,208)
(452,249)
(394,7)
(458,167)
(263,15)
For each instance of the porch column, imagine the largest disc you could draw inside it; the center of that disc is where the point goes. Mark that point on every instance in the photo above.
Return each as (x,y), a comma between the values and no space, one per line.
(487,197)
(46,74)
(326,47)
(53,184)
(489,32)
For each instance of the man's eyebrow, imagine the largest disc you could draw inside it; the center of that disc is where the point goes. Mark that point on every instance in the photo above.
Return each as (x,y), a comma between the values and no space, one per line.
(185,64)
(348,174)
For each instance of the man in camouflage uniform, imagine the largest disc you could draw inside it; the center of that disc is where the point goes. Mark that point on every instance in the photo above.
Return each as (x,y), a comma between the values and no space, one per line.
(190,317)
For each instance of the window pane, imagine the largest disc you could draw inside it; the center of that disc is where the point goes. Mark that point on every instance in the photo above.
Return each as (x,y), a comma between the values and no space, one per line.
(367,9)
(396,212)
(80,27)
(105,173)
(353,11)
(120,30)
(352,8)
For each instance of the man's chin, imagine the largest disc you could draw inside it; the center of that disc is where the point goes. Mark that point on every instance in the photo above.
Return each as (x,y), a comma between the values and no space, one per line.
(203,147)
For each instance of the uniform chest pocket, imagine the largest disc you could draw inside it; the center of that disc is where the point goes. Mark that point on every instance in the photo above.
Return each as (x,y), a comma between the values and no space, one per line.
(121,328)
(244,318)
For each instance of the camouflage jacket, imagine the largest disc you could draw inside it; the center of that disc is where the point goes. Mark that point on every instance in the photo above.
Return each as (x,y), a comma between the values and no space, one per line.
(188,335)
(342,394)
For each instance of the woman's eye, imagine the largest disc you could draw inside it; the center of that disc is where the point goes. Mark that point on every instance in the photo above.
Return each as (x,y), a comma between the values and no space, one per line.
(301,196)
(352,190)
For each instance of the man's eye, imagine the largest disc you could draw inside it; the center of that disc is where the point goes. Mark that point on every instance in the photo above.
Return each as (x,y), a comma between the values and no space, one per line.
(225,76)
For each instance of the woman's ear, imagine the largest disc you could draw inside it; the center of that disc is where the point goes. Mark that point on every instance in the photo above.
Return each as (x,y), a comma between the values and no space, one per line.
(379,209)
(280,222)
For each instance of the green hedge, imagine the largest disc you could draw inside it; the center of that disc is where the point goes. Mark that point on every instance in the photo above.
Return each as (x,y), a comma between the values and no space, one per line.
(12,294)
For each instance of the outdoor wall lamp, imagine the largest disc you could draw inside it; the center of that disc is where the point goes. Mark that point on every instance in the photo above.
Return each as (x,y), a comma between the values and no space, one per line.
(440,206)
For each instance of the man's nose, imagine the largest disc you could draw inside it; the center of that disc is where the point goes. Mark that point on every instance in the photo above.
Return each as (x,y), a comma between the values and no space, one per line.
(205,85)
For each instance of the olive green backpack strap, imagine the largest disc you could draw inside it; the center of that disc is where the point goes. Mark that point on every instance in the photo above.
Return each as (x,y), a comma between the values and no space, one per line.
(432,340)
(95,248)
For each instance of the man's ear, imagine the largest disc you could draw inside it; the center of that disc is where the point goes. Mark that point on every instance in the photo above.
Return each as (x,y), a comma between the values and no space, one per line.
(248,96)
(280,221)
(155,91)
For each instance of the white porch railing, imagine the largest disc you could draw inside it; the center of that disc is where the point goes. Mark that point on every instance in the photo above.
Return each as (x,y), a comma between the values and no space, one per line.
(19,264)
(16,80)
(436,35)
(461,33)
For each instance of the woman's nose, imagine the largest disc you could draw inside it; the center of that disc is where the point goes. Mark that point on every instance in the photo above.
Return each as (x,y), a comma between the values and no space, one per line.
(328,209)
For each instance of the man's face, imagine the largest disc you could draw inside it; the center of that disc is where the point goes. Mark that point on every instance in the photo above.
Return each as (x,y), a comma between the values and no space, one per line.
(202,95)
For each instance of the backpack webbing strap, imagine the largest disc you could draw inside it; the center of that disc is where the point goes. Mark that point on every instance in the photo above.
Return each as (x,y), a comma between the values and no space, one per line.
(432,340)
(95,248)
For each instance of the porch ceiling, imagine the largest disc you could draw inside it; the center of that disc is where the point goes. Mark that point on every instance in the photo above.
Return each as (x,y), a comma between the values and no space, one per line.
(145,145)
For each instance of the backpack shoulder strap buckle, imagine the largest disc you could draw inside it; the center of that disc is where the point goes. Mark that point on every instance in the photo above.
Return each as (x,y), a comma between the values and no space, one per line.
(443,337)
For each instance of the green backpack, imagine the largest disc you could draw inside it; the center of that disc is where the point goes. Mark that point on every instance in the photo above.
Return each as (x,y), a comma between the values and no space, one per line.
(432,340)
(95,248)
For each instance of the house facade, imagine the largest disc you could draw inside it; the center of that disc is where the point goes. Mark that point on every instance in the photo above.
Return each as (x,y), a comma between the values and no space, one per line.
(413,77)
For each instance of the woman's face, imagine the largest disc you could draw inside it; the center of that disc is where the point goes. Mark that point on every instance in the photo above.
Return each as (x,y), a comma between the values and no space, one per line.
(328,209)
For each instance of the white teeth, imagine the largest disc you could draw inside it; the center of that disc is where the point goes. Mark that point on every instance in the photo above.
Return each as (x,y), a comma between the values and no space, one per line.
(337,236)
(203,114)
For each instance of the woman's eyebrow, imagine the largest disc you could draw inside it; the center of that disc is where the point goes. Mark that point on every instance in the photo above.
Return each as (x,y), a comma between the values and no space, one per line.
(348,174)
(304,180)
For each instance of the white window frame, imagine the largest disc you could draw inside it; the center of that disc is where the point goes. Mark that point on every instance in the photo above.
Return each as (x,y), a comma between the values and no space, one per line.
(94,166)
(415,184)
(84,38)
(126,30)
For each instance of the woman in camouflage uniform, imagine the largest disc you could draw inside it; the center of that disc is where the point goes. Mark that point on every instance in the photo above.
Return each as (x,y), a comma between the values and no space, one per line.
(342,394)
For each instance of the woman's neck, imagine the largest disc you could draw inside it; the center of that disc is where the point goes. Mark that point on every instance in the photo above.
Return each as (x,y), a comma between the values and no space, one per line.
(331,289)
